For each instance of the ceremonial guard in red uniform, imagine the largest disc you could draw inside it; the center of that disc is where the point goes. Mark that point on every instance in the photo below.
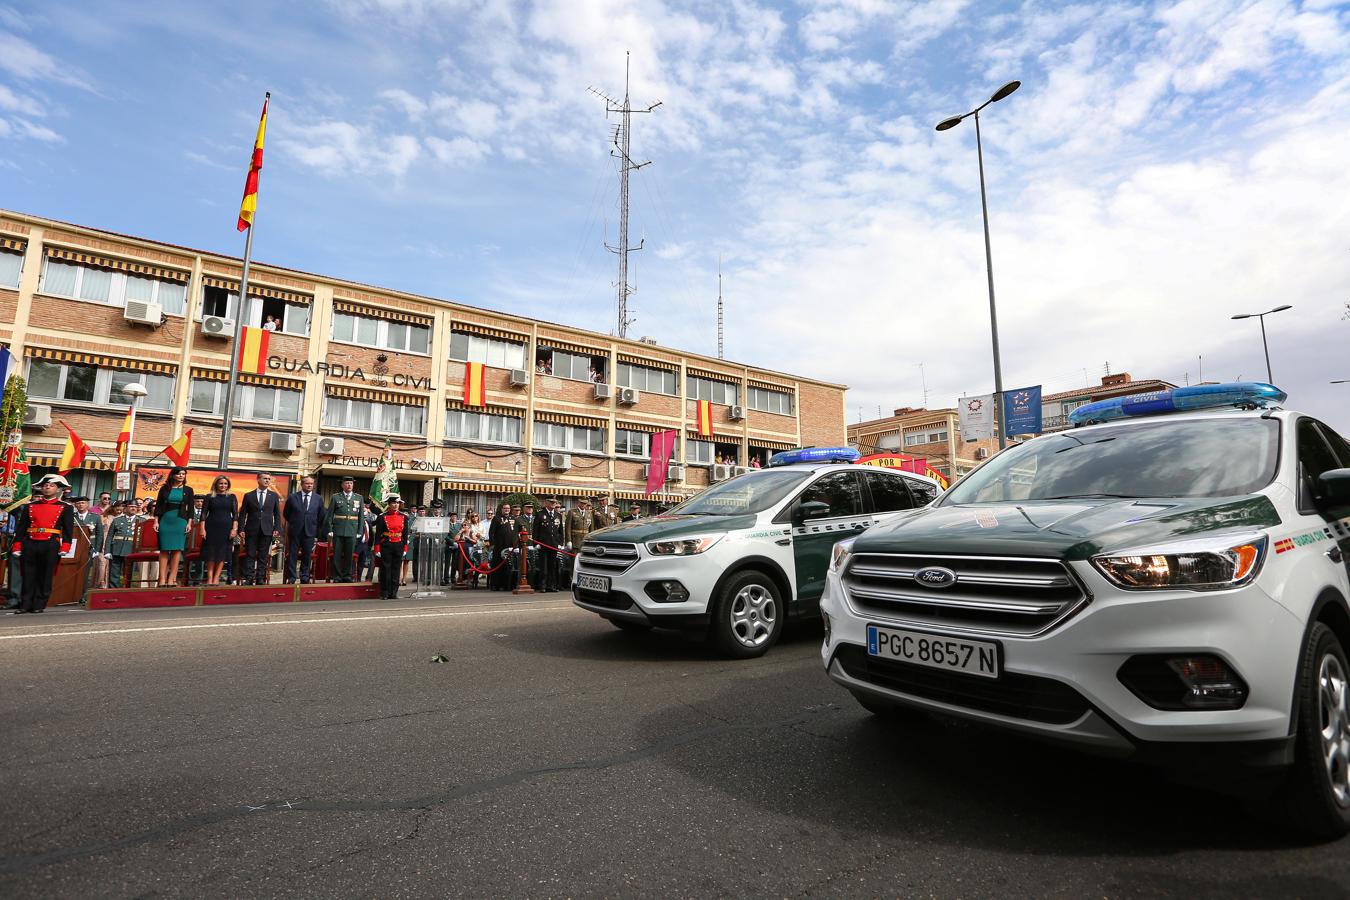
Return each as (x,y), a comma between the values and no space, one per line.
(389,540)
(44,530)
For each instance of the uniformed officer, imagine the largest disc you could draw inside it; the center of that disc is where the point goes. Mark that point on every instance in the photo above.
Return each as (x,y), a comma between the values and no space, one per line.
(578,524)
(93,527)
(345,524)
(547,533)
(121,541)
(524,523)
(390,542)
(44,531)
(600,515)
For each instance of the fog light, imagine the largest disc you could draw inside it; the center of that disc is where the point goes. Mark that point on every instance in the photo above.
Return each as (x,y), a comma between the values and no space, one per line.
(1211,684)
(667,591)
(825,619)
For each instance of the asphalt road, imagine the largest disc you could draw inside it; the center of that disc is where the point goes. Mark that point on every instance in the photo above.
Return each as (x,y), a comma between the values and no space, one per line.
(319,751)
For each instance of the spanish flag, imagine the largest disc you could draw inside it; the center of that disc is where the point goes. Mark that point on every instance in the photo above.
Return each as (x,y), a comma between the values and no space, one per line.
(74,453)
(253,350)
(124,444)
(705,418)
(249,205)
(475,387)
(180,450)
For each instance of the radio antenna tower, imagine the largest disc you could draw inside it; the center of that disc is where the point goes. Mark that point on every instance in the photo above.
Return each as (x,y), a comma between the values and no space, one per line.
(623,140)
(719,307)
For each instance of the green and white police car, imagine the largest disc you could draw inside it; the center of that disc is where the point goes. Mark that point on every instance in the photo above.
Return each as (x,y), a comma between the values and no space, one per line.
(744,555)
(1169,581)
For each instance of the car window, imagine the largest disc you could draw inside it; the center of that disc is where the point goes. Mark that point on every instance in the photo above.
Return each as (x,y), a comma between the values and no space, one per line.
(888,492)
(750,493)
(1338,444)
(924,493)
(840,491)
(1314,458)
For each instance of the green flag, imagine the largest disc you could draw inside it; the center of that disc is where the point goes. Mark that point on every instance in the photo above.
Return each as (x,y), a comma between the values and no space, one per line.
(385,481)
(16,484)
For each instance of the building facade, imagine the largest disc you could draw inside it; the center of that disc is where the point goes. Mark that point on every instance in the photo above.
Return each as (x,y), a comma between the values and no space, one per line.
(568,412)
(1055,408)
(933,434)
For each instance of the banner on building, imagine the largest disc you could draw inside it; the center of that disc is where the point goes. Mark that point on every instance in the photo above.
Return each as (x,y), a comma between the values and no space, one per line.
(253,350)
(904,463)
(705,418)
(1022,411)
(977,417)
(149,479)
(663,448)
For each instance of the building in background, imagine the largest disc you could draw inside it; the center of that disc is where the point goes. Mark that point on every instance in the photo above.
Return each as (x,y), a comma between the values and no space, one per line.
(568,412)
(1055,408)
(931,434)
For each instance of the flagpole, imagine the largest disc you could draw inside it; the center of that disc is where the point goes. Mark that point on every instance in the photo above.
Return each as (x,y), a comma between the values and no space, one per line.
(234,353)
(131,438)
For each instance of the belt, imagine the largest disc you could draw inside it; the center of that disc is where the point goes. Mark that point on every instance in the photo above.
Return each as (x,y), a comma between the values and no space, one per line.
(34,530)
(394,536)
(346,517)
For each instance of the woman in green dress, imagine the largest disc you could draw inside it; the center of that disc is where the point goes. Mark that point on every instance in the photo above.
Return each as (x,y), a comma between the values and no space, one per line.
(173,520)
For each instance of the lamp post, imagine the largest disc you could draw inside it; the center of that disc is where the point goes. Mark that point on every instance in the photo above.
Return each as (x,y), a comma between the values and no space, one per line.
(1341,381)
(1270,379)
(135,391)
(952,122)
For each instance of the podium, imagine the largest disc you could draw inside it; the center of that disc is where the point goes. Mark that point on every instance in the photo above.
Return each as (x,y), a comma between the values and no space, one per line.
(72,571)
(430,537)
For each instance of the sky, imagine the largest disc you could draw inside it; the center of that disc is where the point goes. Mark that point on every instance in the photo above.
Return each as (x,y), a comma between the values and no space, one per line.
(1164,166)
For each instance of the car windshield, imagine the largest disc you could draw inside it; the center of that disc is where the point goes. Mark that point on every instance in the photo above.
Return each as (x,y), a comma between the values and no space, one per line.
(750,493)
(1158,458)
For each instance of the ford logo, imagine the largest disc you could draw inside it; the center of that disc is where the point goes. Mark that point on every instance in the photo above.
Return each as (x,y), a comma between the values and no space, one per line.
(599,551)
(935,577)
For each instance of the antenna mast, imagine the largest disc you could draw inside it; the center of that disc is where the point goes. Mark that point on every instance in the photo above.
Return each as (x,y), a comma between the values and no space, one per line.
(719,307)
(623,135)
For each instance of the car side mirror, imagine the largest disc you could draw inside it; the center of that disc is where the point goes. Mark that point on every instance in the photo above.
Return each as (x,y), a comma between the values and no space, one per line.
(1333,487)
(810,509)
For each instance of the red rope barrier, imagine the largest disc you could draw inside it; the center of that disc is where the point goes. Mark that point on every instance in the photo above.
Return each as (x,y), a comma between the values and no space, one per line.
(475,568)
(550,547)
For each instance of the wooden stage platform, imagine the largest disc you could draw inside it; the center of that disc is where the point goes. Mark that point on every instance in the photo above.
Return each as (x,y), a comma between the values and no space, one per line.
(224,595)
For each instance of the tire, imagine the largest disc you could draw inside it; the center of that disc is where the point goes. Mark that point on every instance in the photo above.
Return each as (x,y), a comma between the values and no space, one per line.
(627,625)
(889,712)
(747,615)
(1317,789)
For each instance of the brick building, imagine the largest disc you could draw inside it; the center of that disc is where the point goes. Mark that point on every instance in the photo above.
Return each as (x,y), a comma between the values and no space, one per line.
(934,434)
(350,364)
(1055,408)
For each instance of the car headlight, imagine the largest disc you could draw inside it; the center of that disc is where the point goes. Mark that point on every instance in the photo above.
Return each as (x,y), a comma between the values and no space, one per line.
(1192,566)
(842,551)
(683,546)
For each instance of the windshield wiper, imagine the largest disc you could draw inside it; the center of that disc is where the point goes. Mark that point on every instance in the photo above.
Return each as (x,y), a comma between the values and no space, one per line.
(1089,497)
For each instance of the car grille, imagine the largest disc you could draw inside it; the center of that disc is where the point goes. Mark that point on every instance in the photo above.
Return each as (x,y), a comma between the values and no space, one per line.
(607,558)
(991,595)
(1027,697)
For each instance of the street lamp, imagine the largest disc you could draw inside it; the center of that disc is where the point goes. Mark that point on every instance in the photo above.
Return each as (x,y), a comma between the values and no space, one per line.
(1341,381)
(1270,379)
(952,122)
(135,391)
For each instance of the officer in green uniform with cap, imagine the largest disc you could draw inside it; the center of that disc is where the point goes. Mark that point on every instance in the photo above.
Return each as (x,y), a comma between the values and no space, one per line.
(93,527)
(346,524)
(121,541)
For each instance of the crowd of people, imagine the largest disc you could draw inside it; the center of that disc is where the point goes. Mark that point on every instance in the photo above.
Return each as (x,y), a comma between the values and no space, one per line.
(221,537)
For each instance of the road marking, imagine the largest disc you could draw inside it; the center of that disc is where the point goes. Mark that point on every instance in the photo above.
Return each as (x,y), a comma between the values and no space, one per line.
(255,624)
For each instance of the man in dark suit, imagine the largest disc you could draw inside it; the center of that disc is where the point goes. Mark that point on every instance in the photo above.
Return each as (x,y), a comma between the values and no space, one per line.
(502,537)
(260,523)
(304,517)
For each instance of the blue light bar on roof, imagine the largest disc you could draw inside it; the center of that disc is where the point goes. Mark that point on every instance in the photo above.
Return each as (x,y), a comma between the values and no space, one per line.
(814,455)
(1182,399)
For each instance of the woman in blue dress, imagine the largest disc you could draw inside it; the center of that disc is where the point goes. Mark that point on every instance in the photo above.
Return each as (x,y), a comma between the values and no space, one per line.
(173,519)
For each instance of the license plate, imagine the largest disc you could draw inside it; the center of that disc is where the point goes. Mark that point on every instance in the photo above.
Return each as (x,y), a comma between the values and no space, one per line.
(934,651)
(598,583)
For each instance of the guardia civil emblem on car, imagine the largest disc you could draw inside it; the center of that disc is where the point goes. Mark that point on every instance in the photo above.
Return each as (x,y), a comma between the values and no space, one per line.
(935,577)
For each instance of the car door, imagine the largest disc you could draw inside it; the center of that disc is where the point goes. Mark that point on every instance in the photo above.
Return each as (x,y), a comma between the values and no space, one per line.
(889,494)
(844,515)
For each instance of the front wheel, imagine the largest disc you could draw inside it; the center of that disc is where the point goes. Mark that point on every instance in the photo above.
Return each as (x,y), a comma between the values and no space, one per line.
(1317,792)
(747,616)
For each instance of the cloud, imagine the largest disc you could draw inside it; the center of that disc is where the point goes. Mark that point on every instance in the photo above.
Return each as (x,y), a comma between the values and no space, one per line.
(21,129)
(457,151)
(15,102)
(342,149)
(24,61)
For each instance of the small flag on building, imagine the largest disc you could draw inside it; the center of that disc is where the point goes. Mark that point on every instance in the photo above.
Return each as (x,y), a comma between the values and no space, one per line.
(74,453)
(8,368)
(180,451)
(705,428)
(124,443)
(249,205)
(663,448)
(475,385)
(253,350)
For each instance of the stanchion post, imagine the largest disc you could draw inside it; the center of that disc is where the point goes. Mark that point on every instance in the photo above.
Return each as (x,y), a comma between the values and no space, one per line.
(524,586)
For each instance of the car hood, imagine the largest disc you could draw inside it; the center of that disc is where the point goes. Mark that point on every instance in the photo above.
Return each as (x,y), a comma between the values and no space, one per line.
(1066,529)
(659,527)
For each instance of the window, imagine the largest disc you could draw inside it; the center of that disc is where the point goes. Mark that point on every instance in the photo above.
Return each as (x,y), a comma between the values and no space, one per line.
(889,493)
(94,384)
(372,332)
(717,391)
(924,493)
(933,436)
(366,415)
(549,436)
(1314,457)
(769,401)
(488,351)
(11,264)
(632,443)
(262,404)
(699,452)
(105,286)
(652,381)
(570,365)
(840,491)
(473,426)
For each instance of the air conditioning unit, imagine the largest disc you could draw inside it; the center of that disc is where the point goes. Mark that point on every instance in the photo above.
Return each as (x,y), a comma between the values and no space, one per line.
(143,312)
(560,462)
(629,396)
(519,377)
(604,391)
(737,413)
(720,472)
(281,440)
(37,415)
(217,327)
(329,446)
(739,470)
(981,452)
(675,473)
